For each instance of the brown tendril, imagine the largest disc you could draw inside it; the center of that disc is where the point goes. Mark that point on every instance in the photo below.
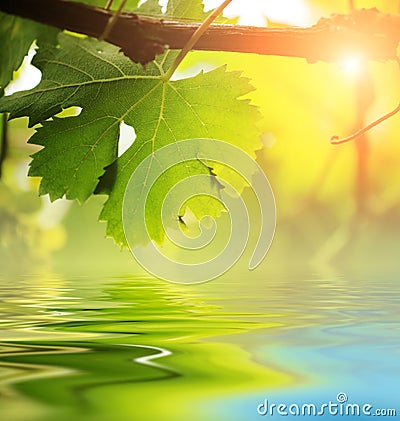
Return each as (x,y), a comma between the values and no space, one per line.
(336,140)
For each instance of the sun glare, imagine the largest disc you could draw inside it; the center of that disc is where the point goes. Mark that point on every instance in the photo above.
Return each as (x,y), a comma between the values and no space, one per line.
(259,12)
(351,65)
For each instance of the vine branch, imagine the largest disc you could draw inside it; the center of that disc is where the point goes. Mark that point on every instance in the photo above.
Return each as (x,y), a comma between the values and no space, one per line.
(369,32)
(195,38)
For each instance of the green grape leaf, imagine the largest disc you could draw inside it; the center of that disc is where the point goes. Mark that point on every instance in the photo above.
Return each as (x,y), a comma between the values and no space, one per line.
(150,7)
(111,89)
(203,106)
(176,8)
(92,75)
(130,4)
(16,37)
(95,3)
(192,9)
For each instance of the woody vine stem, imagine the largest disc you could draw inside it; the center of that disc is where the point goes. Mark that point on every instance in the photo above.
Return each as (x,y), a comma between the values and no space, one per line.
(374,34)
(334,140)
(187,47)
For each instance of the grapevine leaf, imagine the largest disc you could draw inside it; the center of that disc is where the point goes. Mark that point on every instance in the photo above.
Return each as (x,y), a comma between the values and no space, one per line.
(203,106)
(192,9)
(16,37)
(111,89)
(106,84)
(176,8)
(130,4)
(150,7)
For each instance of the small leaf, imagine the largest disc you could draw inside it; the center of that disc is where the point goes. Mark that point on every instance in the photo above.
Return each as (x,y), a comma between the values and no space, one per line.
(192,9)
(150,7)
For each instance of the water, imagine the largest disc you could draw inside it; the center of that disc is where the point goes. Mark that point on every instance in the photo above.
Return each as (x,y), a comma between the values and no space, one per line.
(142,349)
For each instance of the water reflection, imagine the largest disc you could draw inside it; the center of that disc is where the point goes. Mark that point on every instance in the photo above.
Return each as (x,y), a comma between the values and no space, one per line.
(143,349)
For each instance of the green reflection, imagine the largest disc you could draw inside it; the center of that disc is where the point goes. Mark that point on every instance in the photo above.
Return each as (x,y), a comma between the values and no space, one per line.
(78,351)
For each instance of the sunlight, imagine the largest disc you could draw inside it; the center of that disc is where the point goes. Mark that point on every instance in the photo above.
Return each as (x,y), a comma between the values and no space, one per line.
(28,75)
(351,65)
(258,13)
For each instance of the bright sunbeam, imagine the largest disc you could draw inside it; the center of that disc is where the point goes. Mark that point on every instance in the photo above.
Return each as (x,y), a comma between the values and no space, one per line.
(258,12)
(351,65)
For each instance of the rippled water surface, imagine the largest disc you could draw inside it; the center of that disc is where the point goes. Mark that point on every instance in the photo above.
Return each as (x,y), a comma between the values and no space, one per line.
(141,349)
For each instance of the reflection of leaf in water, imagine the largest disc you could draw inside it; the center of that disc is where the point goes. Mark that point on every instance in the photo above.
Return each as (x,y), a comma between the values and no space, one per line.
(61,373)
(101,382)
